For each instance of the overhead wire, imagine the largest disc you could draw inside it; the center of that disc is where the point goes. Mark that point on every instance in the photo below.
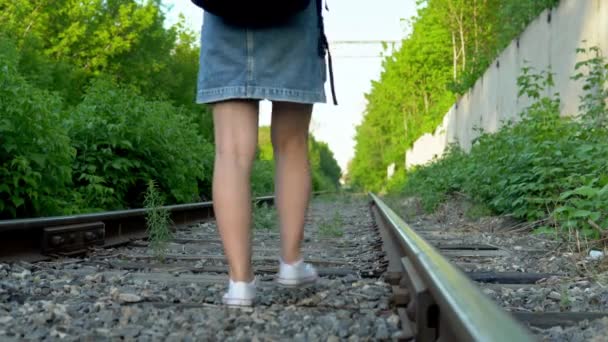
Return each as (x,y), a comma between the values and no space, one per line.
(362,42)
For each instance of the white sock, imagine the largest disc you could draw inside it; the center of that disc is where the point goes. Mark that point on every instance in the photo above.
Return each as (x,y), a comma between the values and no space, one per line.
(292,264)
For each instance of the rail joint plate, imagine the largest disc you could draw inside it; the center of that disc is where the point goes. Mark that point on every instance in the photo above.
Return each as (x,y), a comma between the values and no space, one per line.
(72,238)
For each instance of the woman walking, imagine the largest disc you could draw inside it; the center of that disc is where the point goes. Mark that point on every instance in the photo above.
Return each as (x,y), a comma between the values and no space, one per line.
(250,54)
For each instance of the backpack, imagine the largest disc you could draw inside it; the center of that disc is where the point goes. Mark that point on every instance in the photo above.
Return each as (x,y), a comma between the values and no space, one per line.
(267,13)
(253,13)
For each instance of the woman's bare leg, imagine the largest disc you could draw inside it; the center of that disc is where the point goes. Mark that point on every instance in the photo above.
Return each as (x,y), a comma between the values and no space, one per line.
(236,133)
(290,123)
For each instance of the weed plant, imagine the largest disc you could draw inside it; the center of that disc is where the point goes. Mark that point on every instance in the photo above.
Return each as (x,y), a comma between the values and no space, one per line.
(158,221)
(264,217)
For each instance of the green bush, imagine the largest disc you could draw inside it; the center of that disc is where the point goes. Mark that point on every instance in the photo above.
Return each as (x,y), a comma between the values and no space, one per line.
(41,71)
(70,145)
(397,181)
(544,168)
(35,151)
(262,178)
(123,141)
(325,171)
(433,182)
(321,182)
(264,216)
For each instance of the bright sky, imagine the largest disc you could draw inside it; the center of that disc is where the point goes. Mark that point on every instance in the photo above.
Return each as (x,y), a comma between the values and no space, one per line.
(355,65)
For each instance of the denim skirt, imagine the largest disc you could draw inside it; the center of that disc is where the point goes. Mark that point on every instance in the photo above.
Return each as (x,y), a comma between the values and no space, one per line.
(276,64)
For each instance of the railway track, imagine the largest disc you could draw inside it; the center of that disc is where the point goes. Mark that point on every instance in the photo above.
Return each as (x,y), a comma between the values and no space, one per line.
(94,277)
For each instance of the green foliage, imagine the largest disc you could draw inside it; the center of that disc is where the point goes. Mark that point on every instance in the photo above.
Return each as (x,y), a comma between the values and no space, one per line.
(451,45)
(544,168)
(325,171)
(262,174)
(265,151)
(264,216)
(65,43)
(262,178)
(123,140)
(324,167)
(96,150)
(122,38)
(328,166)
(35,151)
(594,74)
(433,182)
(158,221)
(59,76)
(397,181)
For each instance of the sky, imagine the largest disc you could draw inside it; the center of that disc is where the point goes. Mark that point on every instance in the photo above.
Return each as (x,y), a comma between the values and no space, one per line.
(355,64)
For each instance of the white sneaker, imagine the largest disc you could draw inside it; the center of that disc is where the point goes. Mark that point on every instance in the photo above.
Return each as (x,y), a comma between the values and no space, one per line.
(240,293)
(296,274)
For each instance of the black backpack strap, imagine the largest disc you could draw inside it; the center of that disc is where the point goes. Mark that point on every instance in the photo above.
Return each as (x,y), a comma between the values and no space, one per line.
(324,47)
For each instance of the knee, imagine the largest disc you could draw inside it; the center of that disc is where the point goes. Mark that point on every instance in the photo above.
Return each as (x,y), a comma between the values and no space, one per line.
(235,155)
(290,145)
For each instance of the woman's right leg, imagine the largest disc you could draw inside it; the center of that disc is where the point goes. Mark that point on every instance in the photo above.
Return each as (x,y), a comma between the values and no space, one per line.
(236,133)
(290,122)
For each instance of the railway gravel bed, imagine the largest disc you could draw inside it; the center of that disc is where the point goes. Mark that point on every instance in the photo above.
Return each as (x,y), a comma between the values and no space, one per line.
(573,281)
(126,294)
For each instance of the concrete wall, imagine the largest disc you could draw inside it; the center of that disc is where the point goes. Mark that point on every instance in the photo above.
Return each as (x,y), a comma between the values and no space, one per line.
(550,40)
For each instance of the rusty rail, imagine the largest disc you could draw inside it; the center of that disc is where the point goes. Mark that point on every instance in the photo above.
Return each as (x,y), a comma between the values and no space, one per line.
(38,238)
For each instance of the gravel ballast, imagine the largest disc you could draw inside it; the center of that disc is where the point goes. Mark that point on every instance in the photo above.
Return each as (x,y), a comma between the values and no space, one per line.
(95,298)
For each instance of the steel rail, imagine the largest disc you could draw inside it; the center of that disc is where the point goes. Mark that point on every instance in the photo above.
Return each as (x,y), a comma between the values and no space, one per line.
(462,312)
(34,239)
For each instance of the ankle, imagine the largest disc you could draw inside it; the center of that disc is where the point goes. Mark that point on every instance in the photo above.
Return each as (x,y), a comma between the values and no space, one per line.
(251,282)
(245,278)
(291,260)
